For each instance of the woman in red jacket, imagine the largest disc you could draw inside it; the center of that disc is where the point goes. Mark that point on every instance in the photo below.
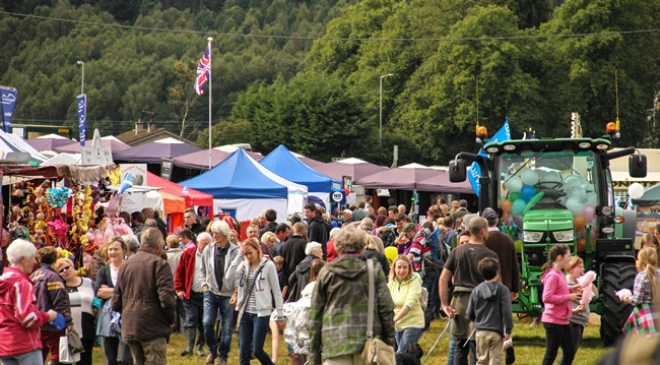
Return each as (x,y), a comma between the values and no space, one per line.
(20,319)
(557,299)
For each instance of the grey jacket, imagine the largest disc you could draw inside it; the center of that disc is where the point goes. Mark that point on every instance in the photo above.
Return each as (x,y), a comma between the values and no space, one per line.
(206,271)
(266,290)
(490,308)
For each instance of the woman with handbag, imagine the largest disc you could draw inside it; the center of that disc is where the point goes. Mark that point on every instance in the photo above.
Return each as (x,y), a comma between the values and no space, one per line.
(406,289)
(340,325)
(106,279)
(258,287)
(81,296)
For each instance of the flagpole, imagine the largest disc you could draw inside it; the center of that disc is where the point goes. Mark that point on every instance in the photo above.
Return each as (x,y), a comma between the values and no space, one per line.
(210,99)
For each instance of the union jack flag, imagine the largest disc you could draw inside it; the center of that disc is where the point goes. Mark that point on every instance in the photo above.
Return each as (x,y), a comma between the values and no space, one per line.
(203,71)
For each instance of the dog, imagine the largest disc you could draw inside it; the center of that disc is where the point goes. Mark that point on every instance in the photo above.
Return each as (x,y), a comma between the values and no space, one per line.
(412,355)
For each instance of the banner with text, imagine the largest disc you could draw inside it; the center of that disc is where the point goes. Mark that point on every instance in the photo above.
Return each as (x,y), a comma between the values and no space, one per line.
(81,101)
(9,95)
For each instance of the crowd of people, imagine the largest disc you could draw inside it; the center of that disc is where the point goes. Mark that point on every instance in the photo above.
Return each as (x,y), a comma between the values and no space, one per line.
(307,277)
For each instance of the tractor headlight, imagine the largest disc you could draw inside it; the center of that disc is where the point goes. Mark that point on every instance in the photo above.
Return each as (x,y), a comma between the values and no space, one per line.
(563,236)
(531,236)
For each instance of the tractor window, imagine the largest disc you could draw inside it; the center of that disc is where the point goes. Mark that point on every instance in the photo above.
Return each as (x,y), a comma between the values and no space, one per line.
(565,178)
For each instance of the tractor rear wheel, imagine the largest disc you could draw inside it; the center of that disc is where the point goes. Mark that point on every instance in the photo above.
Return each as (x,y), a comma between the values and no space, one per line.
(615,276)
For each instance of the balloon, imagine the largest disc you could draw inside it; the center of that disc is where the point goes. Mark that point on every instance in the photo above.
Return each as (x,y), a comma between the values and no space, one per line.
(592,198)
(532,202)
(580,221)
(508,220)
(348,192)
(518,207)
(570,182)
(581,244)
(574,206)
(589,188)
(518,244)
(514,184)
(552,176)
(506,205)
(635,190)
(589,212)
(514,196)
(529,177)
(579,193)
(527,192)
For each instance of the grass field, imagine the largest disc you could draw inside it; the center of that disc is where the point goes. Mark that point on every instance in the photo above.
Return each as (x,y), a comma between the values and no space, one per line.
(529,344)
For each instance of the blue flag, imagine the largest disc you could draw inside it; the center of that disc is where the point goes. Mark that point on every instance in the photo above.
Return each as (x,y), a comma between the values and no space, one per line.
(81,102)
(9,96)
(474,172)
(126,184)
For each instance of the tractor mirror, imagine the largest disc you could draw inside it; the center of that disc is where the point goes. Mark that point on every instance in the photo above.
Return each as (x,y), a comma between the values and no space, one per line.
(457,171)
(637,165)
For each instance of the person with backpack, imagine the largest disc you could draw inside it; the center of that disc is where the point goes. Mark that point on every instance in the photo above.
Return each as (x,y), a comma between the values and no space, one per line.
(406,288)
(428,259)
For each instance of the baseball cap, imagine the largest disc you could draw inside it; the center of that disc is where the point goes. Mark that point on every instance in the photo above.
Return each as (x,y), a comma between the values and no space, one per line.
(58,323)
(409,227)
(489,214)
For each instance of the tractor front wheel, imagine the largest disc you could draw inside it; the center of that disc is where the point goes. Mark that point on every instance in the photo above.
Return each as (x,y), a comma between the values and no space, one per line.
(615,276)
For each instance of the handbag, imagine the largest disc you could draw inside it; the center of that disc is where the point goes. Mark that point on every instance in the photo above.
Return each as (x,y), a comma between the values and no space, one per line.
(375,351)
(66,356)
(75,344)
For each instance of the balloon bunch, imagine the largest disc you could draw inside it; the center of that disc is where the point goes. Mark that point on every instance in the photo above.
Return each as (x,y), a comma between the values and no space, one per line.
(57,197)
(58,229)
(82,215)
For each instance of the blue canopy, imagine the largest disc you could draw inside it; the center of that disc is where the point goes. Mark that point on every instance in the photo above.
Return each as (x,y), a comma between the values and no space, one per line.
(236,178)
(282,162)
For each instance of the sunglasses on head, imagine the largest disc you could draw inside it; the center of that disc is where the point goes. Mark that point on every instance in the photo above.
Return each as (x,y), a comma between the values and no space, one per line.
(65,268)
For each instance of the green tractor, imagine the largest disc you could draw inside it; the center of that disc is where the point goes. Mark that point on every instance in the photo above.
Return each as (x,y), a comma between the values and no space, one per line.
(559,190)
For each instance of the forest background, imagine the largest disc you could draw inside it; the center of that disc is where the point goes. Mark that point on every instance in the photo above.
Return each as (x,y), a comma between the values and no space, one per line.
(307,73)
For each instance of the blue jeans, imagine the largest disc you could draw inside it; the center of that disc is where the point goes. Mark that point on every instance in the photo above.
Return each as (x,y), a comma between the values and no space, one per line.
(430,282)
(28,358)
(213,303)
(252,332)
(450,353)
(408,335)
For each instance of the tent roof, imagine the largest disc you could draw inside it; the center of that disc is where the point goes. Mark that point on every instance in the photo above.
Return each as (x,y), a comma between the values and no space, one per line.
(349,167)
(49,144)
(442,184)
(10,143)
(405,177)
(236,178)
(307,161)
(114,144)
(284,163)
(64,159)
(53,135)
(200,160)
(193,197)
(154,152)
(651,196)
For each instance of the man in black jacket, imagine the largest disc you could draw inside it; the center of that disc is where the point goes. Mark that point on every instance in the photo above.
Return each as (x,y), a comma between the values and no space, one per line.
(293,249)
(318,230)
(271,216)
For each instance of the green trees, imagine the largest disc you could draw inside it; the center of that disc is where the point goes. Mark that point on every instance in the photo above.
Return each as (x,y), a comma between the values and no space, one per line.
(532,61)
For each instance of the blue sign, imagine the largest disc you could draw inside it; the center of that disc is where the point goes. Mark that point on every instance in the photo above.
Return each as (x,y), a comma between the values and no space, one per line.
(9,96)
(474,172)
(81,102)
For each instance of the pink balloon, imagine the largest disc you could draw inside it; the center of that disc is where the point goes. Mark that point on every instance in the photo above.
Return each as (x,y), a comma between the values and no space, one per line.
(589,212)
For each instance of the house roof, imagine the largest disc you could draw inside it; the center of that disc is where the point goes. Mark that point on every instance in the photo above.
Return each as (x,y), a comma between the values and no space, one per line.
(132,139)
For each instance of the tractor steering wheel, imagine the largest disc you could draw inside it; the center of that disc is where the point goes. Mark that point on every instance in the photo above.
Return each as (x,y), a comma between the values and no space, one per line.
(548,185)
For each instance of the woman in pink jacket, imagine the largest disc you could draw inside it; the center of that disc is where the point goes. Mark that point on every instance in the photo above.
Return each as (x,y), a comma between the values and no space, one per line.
(557,299)
(20,319)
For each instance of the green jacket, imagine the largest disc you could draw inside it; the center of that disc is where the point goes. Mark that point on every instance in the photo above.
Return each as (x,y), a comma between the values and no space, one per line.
(339,305)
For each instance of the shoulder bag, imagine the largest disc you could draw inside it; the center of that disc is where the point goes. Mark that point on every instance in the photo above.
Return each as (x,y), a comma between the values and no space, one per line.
(243,305)
(375,351)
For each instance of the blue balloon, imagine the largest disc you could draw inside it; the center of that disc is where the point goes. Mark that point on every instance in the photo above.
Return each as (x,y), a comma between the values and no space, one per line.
(527,192)
(517,207)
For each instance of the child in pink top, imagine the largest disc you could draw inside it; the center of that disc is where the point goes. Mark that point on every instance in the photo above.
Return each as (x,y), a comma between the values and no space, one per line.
(557,299)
